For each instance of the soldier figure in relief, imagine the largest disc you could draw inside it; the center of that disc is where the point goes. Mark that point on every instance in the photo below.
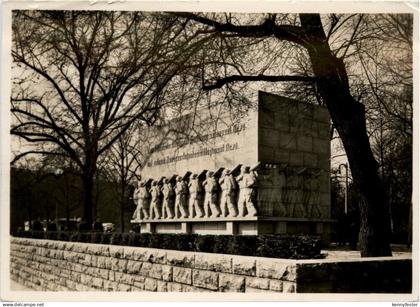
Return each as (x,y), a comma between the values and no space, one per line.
(135,216)
(210,200)
(181,192)
(195,197)
(295,192)
(280,199)
(168,196)
(155,202)
(227,202)
(314,199)
(141,197)
(247,183)
(306,191)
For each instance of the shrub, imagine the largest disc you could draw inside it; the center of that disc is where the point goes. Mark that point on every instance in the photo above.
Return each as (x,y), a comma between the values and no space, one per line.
(205,243)
(186,242)
(116,239)
(64,236)
(125,239)
(221,243)
(84,237)
(169,241)
(134,239)
(26,234)
(243,245)
(51,235)
(276,246)
(155,241)
(106,238)
(96,237)
(38,234)
(292,247)
(144,239)
(74,236)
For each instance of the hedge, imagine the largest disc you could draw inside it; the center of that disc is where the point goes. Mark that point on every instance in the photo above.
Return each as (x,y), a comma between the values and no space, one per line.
(274,246)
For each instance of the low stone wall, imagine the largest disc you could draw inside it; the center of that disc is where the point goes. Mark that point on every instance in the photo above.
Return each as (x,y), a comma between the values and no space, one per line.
(61,266)
(71,266)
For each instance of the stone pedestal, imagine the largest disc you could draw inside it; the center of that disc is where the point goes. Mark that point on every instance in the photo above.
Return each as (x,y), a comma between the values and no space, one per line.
(240,226)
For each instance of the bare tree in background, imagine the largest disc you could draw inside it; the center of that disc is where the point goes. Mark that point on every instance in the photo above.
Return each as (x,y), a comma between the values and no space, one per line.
(387,65)
(121,164)
(82,78)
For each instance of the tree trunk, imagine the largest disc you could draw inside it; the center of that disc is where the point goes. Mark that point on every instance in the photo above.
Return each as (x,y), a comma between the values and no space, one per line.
(88,197)
(348,116)
(122,205)
(47,209)
(88,173)
(67,215)
(28,205)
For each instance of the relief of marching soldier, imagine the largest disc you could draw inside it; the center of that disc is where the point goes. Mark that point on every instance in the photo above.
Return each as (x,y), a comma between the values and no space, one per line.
(196,191)
(229,187)
(210,201)
(247,193)
(142,199)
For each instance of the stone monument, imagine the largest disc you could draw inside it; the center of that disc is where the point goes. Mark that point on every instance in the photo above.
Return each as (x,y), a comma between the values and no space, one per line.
(265,172)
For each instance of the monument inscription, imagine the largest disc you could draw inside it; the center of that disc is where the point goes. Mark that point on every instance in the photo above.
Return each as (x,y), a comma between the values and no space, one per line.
(202,144)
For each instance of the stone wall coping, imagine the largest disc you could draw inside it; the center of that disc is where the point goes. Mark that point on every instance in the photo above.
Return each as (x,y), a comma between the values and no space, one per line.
(399,256)
(147,249)
(236,219)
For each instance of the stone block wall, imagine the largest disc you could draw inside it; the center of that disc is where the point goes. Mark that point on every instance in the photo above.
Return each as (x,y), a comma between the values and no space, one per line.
(293,132)
(69,266)
(46,265)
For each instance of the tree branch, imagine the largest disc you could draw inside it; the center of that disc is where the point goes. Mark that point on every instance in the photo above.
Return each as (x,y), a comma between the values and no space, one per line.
(267,28)
(39,152)
(43,73)
(267,78)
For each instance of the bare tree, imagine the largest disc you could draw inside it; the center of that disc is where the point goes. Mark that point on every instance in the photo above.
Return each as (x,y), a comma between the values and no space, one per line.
(82,78)
(387,70)
(305,33)
(121,164)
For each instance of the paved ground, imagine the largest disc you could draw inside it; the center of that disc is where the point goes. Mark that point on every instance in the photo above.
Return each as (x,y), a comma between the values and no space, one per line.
(344,252)
(335,254)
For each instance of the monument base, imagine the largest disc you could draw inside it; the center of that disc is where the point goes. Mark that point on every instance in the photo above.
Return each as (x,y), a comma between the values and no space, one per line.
(241,226)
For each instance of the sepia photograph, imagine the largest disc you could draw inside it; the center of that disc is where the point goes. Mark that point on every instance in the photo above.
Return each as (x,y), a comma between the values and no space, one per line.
(265,154)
